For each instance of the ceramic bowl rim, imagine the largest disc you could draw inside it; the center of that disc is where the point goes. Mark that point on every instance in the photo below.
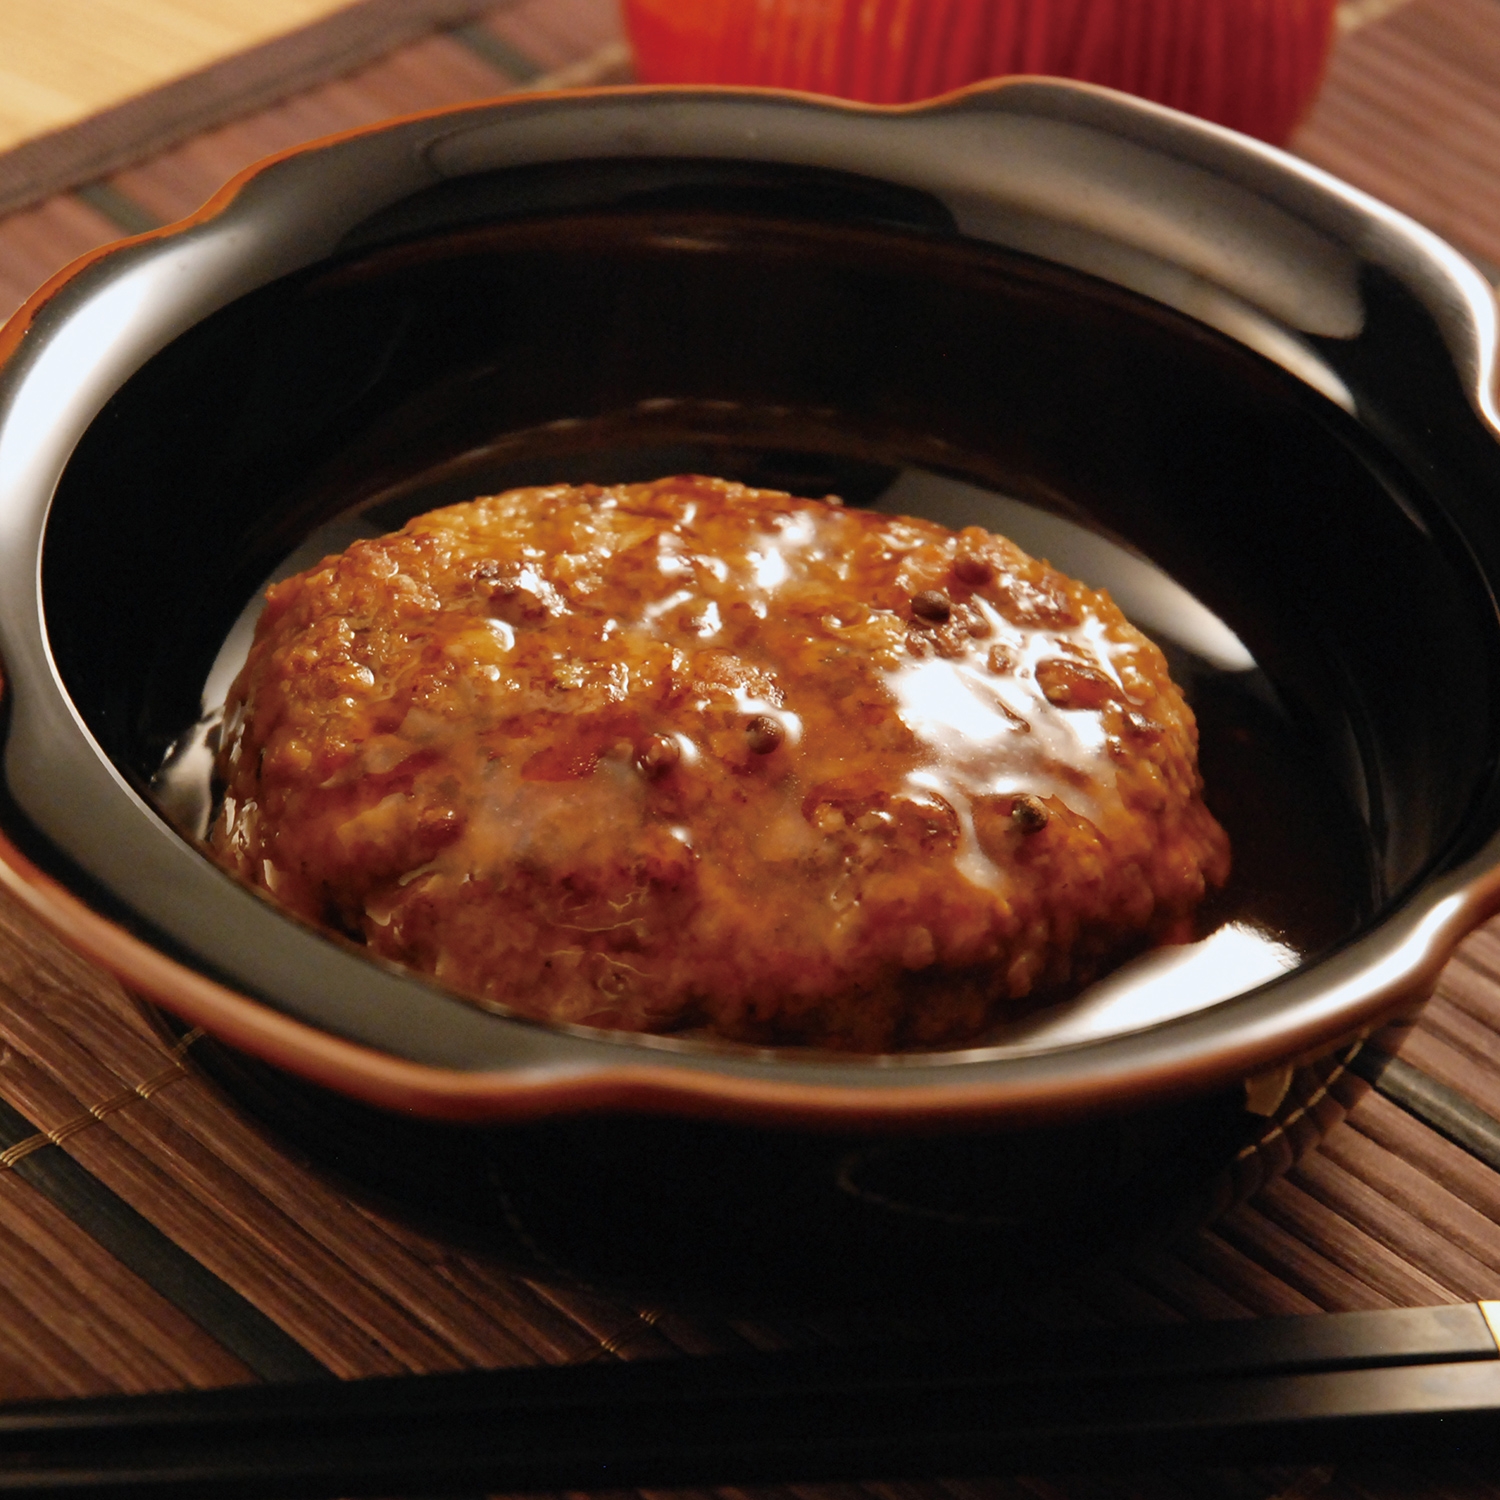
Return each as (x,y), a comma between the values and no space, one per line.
(1392,966)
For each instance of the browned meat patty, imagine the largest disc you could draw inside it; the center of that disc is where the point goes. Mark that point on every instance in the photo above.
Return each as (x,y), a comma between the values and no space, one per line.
(691,755)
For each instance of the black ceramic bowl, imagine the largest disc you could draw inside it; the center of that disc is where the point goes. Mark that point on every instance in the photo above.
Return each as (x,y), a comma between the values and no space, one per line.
(1250,400)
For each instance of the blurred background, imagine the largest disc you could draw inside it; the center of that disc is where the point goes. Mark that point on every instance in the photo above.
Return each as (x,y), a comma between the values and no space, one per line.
(118,115)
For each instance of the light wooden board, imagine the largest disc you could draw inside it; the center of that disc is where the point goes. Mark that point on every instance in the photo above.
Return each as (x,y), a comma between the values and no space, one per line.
(200,76)
(61,60)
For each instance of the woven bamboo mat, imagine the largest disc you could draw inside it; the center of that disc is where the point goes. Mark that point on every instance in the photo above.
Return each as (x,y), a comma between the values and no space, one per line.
(154,1236)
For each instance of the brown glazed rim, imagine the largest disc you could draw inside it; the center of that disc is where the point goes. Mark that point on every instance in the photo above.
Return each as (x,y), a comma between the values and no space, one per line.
(1420,936)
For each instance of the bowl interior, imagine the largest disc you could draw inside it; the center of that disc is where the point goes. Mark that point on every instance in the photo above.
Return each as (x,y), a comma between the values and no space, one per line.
(1312,596)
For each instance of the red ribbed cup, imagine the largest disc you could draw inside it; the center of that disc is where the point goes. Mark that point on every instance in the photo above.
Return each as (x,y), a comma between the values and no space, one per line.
(1254,65)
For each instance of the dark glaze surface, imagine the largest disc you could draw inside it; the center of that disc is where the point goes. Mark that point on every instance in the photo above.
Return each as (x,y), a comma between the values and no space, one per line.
(685,754)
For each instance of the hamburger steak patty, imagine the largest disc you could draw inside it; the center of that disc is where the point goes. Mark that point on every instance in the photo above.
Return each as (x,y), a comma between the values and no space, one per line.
(692,755)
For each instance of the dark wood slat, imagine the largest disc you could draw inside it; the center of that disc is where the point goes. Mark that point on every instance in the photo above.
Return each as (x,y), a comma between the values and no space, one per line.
(272,1263)
(1436,1105)
(556,33)
(1262,1291)
(387,1303)
(137,1244)
(500,54)
(436,72)
(1460,1027)
(1467,996)
(1290,1241)
(1448,1273)
(614,1326)
(1185,1289)
(49,1350)
(1301,1206)
(692,1335)
(60,981)
(126,215)
(1481,951)
(1442,1163)
(132,1339)
(350,1254)
(1426,1048)
(500,1296)
(189,1283)
(1432,1219)
(79,1272)
(40,241)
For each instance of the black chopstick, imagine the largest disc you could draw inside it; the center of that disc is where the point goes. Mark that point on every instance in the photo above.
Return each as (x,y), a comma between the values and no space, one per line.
(1410,1383)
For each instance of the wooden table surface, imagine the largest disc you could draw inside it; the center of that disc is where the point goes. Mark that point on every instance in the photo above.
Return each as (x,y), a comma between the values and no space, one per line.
(63,59)
(154,1236)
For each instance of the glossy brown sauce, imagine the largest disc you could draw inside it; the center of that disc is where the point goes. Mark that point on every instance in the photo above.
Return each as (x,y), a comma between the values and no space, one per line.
(684,754)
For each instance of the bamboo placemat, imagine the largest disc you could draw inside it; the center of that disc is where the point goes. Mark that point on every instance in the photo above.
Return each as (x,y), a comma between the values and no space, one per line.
(154,1236)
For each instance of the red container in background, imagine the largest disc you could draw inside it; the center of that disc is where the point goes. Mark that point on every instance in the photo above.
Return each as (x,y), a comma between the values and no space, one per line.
(1254,65)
